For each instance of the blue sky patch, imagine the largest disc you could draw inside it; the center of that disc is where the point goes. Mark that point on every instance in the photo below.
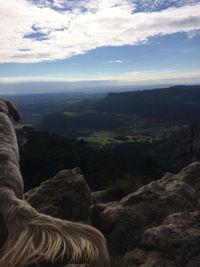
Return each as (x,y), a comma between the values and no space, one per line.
(125,41)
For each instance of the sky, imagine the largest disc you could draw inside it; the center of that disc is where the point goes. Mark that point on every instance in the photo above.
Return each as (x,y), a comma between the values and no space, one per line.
(83,43)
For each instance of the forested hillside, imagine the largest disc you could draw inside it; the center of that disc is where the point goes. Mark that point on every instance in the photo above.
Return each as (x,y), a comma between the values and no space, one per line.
(179,103)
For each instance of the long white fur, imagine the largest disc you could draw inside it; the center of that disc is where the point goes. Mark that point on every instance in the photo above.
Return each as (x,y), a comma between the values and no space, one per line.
(32,237)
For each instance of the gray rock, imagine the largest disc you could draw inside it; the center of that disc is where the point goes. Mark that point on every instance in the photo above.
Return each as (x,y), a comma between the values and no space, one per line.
(99,197)
(158,225)
(142,258)
(65,196)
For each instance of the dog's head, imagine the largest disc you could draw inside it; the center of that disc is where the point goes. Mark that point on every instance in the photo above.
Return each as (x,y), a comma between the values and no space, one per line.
(10,108)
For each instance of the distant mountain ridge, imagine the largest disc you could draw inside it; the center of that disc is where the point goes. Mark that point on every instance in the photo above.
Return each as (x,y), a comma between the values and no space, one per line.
(173,103)
(173,94)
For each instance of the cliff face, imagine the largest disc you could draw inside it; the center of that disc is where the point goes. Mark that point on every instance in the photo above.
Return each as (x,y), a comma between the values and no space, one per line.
(158,225)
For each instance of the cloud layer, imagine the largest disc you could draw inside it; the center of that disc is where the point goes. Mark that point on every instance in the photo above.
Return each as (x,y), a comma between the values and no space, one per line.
(137,77)
(41,30)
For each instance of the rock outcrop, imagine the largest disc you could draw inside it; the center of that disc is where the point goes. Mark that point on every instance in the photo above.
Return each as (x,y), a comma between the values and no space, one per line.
(66,196)
(156,226)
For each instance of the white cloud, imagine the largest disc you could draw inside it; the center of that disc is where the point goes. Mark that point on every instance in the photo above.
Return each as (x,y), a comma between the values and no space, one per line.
(133,78)
(162,76)
(57,31)
(193,34)
(116,61)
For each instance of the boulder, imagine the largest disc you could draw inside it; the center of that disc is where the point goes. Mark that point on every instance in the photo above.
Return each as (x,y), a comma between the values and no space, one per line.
(158,225)
(66,196)
(100,197)
(173,243)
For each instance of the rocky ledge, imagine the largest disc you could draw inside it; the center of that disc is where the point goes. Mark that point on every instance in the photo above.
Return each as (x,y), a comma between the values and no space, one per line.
(156,226)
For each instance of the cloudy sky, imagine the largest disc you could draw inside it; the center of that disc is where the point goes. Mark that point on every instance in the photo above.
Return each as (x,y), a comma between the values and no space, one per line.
(111,42)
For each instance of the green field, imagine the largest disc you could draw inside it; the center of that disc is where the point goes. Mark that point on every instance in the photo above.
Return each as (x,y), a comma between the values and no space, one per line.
(139,133)
(101,137)
(130,127)
(20,126)
(68,113)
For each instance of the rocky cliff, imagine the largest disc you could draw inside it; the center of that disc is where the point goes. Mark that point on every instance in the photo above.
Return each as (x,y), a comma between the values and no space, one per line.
(156,226)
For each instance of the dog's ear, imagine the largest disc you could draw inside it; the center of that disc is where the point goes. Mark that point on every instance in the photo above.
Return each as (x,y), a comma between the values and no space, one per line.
(13,111)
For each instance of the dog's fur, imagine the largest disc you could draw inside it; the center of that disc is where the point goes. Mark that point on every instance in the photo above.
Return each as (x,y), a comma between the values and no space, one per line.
(28,236)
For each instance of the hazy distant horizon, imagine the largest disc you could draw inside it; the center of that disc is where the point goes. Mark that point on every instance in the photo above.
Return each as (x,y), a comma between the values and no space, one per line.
(50,88)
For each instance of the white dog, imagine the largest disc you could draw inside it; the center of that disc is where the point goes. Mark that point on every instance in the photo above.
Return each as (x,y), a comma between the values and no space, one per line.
(28,236)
